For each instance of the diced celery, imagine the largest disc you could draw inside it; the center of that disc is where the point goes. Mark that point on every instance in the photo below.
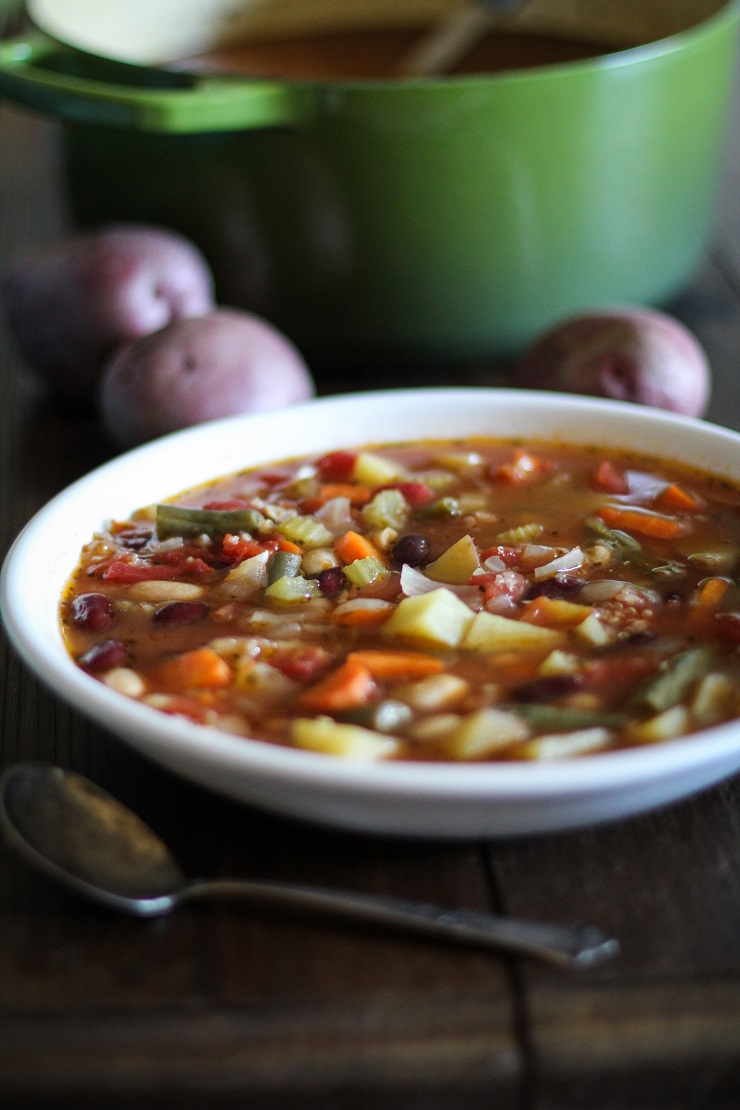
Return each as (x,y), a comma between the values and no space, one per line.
(388,509)
(306,531)
(456,564)
(524,533)
(491,632)
(323,734)
(292,588)
(362,572)
(437,618)
(443,509)
(484,733)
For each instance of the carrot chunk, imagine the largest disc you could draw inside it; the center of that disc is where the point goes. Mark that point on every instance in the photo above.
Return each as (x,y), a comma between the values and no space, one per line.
(347,687)
(201,667)
(352,545)
(642,521)
(397,664)
(675,498)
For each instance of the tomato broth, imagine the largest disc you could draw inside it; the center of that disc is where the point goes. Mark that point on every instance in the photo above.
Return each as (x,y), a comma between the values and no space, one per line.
(445,600)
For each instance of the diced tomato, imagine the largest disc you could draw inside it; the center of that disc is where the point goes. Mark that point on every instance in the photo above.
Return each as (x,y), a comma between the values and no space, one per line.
(416,493)
(512,556)
(505,583)
(522,467)
(184,562)
(302,664)
(238,548)
(609,478)
(228,505)
(337,466)
(120,571)
(727,626)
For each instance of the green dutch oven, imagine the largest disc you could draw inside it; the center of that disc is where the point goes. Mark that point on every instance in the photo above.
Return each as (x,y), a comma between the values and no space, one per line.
(442,220)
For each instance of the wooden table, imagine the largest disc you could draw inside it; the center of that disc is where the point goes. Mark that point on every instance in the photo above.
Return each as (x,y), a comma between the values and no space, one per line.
(220,1006)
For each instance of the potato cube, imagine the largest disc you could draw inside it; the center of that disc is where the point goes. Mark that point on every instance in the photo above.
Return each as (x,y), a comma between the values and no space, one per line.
(437,619)
(323,734)
(491,632)
(375,470)
(485,733)
(456,564)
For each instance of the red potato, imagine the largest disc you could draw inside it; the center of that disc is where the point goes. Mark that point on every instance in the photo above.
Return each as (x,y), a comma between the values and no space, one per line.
(224,363)
(70,303)
(629,354)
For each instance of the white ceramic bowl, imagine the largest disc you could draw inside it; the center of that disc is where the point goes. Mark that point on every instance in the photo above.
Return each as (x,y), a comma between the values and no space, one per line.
(435,800)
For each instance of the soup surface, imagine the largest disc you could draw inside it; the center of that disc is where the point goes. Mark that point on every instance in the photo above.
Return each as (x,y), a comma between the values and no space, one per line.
(477,600)
(381,54)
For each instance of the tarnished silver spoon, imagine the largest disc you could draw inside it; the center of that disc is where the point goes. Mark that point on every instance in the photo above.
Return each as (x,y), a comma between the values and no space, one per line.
(79,835)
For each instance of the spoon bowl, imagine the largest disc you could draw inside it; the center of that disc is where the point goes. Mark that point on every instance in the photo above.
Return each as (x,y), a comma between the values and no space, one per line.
(79,835)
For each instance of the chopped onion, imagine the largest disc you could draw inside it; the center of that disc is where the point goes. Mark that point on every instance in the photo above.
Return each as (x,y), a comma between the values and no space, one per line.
(570,561)
(414,583)
(494,564)
(336,515)
(601,589)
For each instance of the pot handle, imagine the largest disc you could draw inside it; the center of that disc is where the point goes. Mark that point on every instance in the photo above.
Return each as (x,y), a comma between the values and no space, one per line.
(77,88)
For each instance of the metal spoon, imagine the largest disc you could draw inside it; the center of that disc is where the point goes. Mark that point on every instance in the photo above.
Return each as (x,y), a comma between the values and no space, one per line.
(79,835)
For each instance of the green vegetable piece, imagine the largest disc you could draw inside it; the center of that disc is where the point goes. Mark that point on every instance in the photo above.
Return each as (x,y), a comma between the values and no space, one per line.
(564,718)
(630,550)
(674,679)
(292,588)
(306,531)
(388,509)
(444,508)
(177,520)
(286,563)
(362,572)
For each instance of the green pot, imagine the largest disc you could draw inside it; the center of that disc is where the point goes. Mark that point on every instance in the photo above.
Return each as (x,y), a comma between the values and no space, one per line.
(441,220)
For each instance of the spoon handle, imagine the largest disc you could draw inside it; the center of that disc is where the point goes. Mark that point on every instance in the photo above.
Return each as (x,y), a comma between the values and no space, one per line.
(570,946)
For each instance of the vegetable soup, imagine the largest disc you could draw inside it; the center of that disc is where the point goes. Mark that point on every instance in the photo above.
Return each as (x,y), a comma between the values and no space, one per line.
(443,600)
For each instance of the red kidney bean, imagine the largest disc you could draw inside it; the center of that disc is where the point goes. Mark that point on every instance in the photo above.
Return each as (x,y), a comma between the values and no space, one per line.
(103,656)
(331,581)
(180,612)
(93,611)
(552,686)
(411,549)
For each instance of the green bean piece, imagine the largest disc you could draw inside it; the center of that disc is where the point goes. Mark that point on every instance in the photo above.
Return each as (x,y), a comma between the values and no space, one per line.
(445,507)
(177,520)
(564,718)
(283,564)
(385,716)
(672,682)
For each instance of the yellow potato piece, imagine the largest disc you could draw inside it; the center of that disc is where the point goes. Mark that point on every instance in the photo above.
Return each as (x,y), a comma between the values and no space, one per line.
(491,632)
(323,734)
(436,619)
(456,564)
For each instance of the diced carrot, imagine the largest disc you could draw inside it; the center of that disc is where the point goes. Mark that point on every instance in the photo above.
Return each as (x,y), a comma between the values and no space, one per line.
(397,664)
(358,495)
(679,499)
(609,477)
(201,667)
(347,687)
(289,546)
(352,545)
(642,521)
(553,612)
(522,467)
